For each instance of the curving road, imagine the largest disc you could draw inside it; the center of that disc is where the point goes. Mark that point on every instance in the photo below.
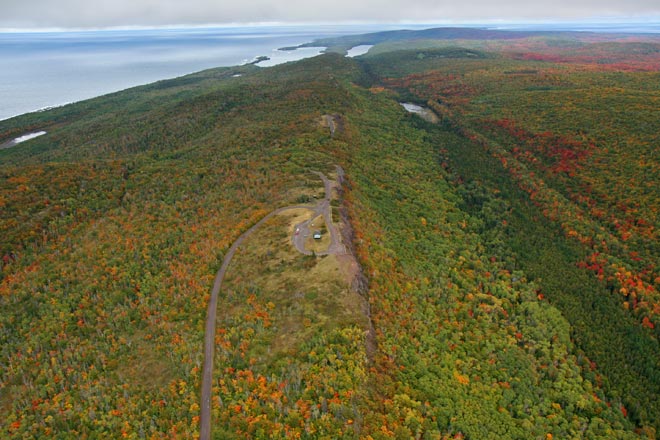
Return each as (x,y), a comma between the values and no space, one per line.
(322,208)
(336,247)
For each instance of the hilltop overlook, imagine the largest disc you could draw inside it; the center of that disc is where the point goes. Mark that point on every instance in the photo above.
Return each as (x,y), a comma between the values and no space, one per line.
(490,271)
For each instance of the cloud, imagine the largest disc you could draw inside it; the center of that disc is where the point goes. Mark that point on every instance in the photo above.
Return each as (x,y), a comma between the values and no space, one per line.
(107,13)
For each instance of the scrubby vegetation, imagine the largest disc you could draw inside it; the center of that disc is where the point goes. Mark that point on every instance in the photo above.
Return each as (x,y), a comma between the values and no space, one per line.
(510,251)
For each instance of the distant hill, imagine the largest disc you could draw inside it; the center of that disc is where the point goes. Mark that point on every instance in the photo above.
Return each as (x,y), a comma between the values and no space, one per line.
(343,43)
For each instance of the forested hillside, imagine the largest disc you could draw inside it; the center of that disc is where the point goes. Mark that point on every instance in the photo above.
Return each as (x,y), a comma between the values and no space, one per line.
(576,143)
(509,253)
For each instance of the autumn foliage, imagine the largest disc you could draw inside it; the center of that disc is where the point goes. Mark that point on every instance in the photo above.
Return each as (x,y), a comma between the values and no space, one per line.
(509,280)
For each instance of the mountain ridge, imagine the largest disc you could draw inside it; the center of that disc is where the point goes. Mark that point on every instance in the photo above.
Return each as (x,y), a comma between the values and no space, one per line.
(489,304)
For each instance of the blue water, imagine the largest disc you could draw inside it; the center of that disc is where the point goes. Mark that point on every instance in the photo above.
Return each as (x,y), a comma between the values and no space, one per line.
(54,68)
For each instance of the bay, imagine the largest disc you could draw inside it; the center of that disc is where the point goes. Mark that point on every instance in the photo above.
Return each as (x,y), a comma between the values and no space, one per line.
(44,69)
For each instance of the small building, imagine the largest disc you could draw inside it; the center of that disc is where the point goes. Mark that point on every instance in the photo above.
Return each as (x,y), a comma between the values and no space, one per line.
(317,235)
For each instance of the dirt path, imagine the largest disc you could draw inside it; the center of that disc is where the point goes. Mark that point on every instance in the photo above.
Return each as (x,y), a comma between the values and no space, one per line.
(336,247)
(329,120)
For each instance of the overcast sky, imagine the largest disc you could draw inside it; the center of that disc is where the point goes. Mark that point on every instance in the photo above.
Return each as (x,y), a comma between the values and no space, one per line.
(120,13)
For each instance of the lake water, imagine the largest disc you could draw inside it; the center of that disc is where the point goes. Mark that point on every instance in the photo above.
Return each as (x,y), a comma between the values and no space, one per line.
(359,50)
(423,112)
(53,68)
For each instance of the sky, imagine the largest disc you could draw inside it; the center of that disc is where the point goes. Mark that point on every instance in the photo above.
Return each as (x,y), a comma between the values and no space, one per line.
(25,14)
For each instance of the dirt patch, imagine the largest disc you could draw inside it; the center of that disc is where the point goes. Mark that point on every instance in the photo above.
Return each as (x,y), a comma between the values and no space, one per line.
(350,266)
(350,269)
(334,122)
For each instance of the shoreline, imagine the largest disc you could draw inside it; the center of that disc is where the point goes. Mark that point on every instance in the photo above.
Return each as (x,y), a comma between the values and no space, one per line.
(259,61)
(283,41)
(107,65)
(51,107)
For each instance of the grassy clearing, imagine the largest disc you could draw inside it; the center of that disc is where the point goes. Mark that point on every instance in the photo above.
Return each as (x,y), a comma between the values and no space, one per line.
(295,217)
(290,331)
(304,295)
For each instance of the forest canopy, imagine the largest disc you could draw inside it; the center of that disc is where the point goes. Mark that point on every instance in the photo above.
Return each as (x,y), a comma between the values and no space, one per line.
(509,253)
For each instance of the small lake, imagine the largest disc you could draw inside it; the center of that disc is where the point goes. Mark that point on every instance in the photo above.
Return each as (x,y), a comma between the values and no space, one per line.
(359,50)
(423,112)
(25,137)
(278,56)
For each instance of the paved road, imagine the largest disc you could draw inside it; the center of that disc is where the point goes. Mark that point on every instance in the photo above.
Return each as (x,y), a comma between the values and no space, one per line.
(323,207)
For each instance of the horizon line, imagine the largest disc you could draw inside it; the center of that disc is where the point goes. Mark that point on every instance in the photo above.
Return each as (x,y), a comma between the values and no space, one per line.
(440,23)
